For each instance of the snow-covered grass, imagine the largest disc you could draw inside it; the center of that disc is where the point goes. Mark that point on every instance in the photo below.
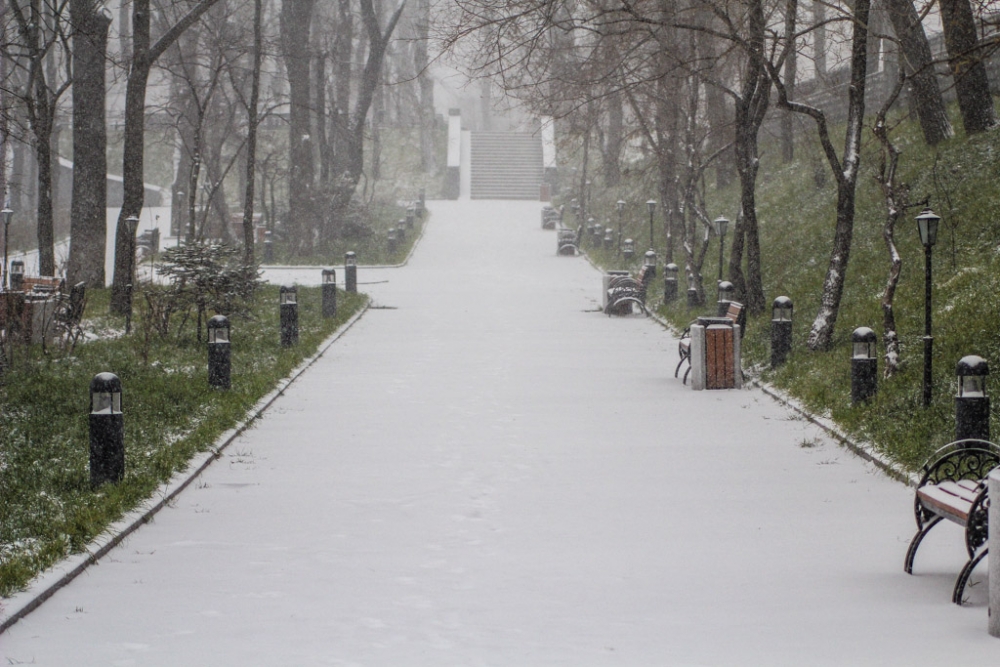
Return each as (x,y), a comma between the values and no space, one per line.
(47,508)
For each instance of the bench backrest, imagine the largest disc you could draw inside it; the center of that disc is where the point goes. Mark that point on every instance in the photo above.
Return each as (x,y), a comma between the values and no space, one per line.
(41,284)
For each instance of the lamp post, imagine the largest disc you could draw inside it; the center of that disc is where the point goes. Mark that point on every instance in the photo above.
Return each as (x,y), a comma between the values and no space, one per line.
(651,205)
(620,205)
(7,215)
(927,225)
(721,224)
(131,224)
(219,359)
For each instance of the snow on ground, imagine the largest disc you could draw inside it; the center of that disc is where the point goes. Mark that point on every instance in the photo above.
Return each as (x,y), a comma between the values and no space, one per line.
(151,216)
(488,471)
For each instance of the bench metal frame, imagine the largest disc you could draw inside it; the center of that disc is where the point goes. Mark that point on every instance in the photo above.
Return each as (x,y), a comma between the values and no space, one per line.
(969,459)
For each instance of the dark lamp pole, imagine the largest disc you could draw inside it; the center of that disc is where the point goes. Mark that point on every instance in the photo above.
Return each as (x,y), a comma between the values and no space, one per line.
(927,225)
(721,224)
(651,205)
(7,215)
(620,205)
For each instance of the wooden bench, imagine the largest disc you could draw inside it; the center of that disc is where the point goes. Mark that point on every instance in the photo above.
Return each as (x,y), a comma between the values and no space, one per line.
(626,292)
(41,284)
(953,487)
(734,314)
(568,241)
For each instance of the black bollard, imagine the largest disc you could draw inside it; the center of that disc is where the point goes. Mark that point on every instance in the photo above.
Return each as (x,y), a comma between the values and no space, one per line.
(628,249)
(670,282)
(287,298)
(268,248)
(972,405)
(391,238)
(329,293)
(350,272)
(864,364)
(107,430)
(219,359)
(781,330)
(726,290)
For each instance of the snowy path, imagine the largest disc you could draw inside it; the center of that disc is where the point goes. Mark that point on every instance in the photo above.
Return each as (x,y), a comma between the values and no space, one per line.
(487,471)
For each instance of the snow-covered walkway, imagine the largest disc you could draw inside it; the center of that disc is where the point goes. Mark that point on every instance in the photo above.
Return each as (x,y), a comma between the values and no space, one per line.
(487,471)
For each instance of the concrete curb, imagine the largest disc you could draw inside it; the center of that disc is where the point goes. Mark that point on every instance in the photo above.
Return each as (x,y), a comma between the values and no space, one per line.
(48,583)
(865,450)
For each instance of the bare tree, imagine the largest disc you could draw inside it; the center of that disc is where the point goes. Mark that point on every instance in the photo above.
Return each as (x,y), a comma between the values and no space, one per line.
(967,66)
(88,216)
(919,69)
(40,32)
(145,53)
(845,170)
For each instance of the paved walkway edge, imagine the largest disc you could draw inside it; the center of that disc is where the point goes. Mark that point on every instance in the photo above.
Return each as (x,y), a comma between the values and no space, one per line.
(48,583)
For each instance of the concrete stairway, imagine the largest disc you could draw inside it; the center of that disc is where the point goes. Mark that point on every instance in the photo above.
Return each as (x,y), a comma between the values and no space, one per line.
(505,165)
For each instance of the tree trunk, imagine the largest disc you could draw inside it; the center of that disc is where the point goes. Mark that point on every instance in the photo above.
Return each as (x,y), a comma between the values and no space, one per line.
(296,21)
(248,226)
(751,107)
(919,67)
(821,333)
(791,70)
(88,213)
(426,104)
(967,67)
(143,57)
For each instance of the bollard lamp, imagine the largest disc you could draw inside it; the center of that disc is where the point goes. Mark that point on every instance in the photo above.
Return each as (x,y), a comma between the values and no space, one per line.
(287,295)
(972,405)
(649,260)
(16,275)
(218,329)
(726,291)
(329,293)
(350,259)
(781,309)
(972,371)
(105,394)
(107,430)
(864,343)
(864,364)
(628,248)
(219,359)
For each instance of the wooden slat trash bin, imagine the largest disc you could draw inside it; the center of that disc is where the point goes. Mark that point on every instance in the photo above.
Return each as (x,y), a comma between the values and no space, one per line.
(715,354)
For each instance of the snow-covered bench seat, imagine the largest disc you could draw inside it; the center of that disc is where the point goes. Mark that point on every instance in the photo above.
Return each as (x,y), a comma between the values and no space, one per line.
(953,487)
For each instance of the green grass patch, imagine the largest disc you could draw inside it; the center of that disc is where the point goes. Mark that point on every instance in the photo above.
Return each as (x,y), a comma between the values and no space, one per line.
(47,508)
